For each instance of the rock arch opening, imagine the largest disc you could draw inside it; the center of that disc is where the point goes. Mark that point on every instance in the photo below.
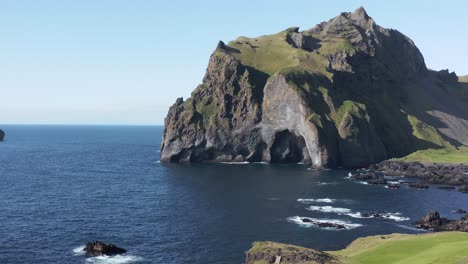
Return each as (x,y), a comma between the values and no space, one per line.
(288,148)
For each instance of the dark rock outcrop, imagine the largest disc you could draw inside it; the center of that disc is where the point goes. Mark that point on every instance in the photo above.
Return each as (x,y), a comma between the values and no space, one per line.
(268,252)
(2,135)
(433,221)
(98,248)
(447,175)
(344,93)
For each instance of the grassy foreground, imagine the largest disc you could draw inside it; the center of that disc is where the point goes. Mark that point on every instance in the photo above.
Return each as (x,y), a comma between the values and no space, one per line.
(456,156)
(444,247)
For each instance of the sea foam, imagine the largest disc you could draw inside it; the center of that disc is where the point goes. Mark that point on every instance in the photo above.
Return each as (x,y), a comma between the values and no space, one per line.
(79,251)
(321,200)
(117,259)
(298,220)
(329,209)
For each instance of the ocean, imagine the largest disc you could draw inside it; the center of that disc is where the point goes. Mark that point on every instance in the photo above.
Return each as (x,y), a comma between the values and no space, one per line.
(61,186)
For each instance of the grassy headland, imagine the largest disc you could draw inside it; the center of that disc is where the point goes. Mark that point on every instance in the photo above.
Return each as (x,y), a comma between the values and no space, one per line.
(444,247)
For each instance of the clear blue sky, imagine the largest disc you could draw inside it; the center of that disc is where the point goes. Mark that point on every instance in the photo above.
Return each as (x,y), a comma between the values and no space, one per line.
(125,62)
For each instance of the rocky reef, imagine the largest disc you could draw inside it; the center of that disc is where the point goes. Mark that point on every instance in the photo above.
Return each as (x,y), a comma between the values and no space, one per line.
(433,221)
(345,93)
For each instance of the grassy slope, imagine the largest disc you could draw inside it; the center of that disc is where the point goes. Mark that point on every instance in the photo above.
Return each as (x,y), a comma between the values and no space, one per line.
(452,155)
(447,153)
(445,247)
(272,54)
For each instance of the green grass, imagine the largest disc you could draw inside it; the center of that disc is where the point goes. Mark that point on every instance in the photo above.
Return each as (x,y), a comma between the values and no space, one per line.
(333,46)
(444,247)
(427,133)
(349,107)
(447,248)
(463,79)
(272,54)
(458,156)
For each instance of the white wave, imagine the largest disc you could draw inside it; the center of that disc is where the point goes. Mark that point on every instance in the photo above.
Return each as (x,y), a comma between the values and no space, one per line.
(261,162)
(79,251)
(393,182)
(391,216)
(157,161)
(315,221)
(363,182)
(329,209)
(350,175)
(414,228)
(236,162)
(117,259)
(327,183)
(322,200)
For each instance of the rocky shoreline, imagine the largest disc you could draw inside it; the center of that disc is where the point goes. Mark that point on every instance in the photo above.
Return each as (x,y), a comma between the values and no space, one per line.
(432,221)
(447,176)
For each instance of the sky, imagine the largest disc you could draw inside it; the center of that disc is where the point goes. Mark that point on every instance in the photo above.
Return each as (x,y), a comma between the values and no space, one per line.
(118,62)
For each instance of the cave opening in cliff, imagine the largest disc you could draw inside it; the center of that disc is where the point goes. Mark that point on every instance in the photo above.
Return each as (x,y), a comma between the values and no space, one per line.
(288,148)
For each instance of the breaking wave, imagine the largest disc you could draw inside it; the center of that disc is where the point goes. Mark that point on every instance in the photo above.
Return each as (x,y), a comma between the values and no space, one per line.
(391,216)
(117,259)
(79,251)
(329,209)
(314,222)
(236,162)
(322,200)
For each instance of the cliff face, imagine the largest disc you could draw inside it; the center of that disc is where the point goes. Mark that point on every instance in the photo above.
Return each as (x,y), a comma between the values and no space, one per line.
(344,93)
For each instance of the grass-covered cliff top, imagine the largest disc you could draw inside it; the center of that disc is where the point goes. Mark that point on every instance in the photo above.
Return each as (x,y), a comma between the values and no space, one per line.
(463,79)
(272,54)
(445,247)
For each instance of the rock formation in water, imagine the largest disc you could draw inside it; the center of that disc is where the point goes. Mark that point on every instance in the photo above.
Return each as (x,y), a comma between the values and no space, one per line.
(344,93)
(2,135)
(433,221)
(98,248)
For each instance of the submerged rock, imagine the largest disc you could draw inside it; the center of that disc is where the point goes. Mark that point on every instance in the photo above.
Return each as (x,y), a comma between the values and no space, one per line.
(98,248)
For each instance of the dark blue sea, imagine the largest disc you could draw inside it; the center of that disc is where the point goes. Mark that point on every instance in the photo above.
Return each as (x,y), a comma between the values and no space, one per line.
(61,186)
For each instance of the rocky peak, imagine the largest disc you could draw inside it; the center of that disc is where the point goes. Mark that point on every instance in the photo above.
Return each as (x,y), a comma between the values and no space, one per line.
(329,96)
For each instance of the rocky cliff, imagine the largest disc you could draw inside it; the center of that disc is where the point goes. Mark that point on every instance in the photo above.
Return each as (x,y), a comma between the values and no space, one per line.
(344,93)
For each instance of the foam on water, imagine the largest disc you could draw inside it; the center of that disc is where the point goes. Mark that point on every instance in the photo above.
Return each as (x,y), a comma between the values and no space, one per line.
(322,200)
(298,220)
(79,251)
(391,216)
(363,182)
(117,259)
(329,209)
(236,162)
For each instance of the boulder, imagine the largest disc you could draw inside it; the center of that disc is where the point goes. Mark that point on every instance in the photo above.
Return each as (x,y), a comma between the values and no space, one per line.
(98,248)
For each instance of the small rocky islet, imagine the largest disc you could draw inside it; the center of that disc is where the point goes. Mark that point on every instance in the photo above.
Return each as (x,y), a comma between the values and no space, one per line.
(98,248)
(2,135)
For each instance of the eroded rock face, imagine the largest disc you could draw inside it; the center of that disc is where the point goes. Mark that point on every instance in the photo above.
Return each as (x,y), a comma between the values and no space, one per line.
(340,94)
